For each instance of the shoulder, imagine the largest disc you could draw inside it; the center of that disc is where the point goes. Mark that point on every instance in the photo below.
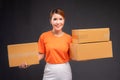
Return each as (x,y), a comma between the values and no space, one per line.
(45,33)
(67,35)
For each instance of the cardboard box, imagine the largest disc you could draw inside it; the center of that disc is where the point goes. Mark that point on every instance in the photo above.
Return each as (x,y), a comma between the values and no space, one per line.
(89,51)
(90,35)
(23,53)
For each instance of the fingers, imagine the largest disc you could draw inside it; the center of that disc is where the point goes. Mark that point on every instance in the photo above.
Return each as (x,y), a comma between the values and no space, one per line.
(24,65)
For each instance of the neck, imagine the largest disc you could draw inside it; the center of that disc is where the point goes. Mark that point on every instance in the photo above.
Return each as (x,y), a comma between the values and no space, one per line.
(57,33)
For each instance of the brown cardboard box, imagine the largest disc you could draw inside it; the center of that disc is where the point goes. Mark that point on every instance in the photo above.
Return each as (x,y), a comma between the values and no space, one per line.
(23,53)
(90,35)
(89,51)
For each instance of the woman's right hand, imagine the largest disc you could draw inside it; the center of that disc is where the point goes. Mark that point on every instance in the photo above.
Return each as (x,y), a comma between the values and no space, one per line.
(24,66)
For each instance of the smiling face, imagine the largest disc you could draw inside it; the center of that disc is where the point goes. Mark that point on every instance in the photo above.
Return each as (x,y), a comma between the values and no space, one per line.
(57,22)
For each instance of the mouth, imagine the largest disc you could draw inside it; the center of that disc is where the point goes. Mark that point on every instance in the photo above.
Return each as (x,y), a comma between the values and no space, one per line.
(58,26)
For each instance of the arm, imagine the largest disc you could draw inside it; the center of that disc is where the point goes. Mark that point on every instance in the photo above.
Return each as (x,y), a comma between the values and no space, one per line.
(40,56)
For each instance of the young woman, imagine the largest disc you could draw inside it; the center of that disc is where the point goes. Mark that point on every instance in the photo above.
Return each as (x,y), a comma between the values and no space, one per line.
(54,45)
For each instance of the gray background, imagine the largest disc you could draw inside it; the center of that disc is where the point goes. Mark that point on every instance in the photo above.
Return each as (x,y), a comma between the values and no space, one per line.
(23,21)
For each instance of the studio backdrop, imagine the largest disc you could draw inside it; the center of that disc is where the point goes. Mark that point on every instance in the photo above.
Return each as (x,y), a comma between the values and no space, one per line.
(23,21)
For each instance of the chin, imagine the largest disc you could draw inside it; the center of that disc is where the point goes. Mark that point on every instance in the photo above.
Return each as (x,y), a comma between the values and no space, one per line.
(58,29)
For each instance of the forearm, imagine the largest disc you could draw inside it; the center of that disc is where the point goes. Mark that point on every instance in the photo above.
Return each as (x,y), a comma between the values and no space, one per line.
(40,56)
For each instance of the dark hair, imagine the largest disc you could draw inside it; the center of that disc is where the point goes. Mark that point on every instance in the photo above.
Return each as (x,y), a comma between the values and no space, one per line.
(57,11)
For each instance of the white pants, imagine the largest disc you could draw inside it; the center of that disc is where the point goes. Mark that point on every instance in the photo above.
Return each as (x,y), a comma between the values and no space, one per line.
(57,72)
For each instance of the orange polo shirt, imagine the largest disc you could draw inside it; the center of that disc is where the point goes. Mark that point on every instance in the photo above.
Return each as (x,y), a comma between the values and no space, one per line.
(56,49)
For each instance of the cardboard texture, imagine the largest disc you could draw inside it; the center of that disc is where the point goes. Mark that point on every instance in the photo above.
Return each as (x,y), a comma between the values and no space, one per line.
(23,53)
(90,35)
(89,51)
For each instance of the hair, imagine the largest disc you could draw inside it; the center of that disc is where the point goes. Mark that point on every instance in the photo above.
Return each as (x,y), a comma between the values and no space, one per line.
(57,11)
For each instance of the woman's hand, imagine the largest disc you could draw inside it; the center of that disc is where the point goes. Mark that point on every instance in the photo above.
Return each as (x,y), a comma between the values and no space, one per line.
(24,66)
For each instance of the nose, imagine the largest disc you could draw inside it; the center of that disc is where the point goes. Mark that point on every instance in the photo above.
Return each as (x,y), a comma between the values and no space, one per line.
(58,21)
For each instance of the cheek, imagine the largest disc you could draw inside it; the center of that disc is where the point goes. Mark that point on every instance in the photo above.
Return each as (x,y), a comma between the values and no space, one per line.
(63,22)
(52,22)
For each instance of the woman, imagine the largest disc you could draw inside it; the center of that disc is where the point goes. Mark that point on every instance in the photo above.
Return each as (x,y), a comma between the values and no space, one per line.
(54,45)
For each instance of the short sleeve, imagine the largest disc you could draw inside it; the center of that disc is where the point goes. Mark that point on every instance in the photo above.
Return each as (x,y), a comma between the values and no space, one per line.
(41,44)
(70,41)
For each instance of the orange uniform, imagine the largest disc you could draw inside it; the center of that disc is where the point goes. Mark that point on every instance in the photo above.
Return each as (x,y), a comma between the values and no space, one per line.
(55,48)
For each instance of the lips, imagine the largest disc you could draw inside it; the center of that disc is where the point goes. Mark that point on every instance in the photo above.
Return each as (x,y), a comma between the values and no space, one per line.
(58,26)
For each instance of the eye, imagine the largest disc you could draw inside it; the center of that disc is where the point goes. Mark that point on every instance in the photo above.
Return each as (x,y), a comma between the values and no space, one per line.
(55,19)
(61,19)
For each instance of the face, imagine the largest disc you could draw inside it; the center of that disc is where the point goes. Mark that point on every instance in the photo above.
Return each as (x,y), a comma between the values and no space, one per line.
(57,22)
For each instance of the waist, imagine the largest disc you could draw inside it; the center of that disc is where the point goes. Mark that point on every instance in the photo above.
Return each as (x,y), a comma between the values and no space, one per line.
(57,62)
(51,64)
